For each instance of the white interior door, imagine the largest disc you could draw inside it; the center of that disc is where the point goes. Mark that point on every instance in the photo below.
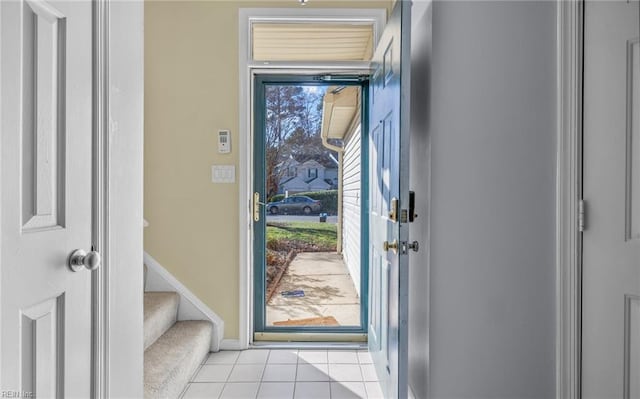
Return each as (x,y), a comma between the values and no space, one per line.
(45,175)
(611,257)
(388,182)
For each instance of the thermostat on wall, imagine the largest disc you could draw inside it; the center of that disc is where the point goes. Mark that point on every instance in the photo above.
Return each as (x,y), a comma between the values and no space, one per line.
(224,141)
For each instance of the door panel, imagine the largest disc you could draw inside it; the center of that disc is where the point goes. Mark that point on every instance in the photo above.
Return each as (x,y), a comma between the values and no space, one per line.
(45,147)
(388,149)
(611,257)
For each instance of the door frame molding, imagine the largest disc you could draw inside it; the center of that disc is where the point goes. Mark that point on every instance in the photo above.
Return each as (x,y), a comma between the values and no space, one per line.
(100,195)
(570,60)
(117,193)
(248,68)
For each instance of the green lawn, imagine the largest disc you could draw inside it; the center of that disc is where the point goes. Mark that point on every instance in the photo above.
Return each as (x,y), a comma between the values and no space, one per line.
(301,236)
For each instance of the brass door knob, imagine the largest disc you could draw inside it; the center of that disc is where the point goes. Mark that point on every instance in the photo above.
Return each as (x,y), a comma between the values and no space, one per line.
(393,245)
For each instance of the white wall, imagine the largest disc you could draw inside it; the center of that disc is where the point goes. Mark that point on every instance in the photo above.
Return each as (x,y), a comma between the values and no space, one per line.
(489,122)
(351,205)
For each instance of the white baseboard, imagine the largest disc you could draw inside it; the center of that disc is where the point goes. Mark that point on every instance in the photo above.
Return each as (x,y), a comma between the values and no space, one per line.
(190,307)
(231,345)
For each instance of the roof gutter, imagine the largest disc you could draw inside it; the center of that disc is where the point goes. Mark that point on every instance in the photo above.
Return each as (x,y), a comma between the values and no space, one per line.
(327,113)
(327,109)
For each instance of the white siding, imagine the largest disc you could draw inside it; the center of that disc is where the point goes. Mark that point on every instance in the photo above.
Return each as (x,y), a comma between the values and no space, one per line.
(351,206)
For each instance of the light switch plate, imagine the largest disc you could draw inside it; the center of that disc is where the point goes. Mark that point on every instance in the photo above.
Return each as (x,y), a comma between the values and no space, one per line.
(223,173)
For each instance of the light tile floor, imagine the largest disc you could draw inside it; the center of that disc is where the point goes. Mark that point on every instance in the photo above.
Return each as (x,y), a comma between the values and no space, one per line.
(285,374)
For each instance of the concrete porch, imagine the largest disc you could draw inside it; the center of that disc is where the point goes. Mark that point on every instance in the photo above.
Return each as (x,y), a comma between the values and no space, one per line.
(328,292)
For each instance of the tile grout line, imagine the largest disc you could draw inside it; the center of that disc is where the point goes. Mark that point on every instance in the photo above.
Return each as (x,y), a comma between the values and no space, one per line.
(233,366)
(295,377)
(264,370)
(184,391)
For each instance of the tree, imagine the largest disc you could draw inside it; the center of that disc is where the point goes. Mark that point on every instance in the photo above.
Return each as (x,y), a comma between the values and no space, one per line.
(284,105)
(293,124)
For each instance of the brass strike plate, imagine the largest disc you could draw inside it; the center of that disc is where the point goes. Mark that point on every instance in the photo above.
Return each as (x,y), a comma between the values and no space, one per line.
(256,207)
(393,212)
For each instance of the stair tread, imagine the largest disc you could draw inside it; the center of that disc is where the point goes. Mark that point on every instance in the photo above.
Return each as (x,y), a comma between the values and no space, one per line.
(171,361)
(160,313)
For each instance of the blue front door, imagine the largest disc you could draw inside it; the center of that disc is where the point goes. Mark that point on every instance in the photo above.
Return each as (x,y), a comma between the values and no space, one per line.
(389,198)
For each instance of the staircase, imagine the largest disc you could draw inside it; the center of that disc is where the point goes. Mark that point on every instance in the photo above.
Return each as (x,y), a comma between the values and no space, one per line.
(173,349)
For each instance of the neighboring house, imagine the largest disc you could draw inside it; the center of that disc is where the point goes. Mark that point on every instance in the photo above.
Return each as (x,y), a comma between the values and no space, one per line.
(293,185)
(311,170)
(331,176)
(318,185)
(308,176)
(288,169)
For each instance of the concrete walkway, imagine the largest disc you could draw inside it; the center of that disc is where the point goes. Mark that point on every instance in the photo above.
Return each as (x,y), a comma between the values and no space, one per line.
(328,291)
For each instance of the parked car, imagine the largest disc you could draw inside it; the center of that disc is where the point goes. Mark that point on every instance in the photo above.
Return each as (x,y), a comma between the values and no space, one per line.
(295,204)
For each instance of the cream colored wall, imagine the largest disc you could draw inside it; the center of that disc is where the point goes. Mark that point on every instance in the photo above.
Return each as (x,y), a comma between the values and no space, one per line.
(191,91)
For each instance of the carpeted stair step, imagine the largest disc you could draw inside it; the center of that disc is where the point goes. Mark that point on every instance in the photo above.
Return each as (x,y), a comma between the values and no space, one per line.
(171,361)
(160,312)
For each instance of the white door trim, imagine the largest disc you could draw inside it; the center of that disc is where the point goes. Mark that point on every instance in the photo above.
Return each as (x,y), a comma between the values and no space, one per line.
(247,69)
(100,195)
(117,194)
(568,193)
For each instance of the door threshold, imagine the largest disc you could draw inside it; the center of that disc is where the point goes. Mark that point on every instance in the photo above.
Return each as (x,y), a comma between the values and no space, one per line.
(353,346)
(310,338)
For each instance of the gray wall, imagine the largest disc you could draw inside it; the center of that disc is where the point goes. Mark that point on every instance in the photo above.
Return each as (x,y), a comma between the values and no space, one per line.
(489,127)
(419,182)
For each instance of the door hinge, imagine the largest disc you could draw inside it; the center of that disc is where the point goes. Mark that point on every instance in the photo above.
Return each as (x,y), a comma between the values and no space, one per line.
(581,216)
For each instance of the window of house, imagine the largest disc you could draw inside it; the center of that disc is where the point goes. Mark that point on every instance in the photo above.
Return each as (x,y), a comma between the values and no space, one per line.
(312,173)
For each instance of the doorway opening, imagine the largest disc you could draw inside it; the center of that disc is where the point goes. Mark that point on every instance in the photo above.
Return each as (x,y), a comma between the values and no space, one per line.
(299,42)
(310,208)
